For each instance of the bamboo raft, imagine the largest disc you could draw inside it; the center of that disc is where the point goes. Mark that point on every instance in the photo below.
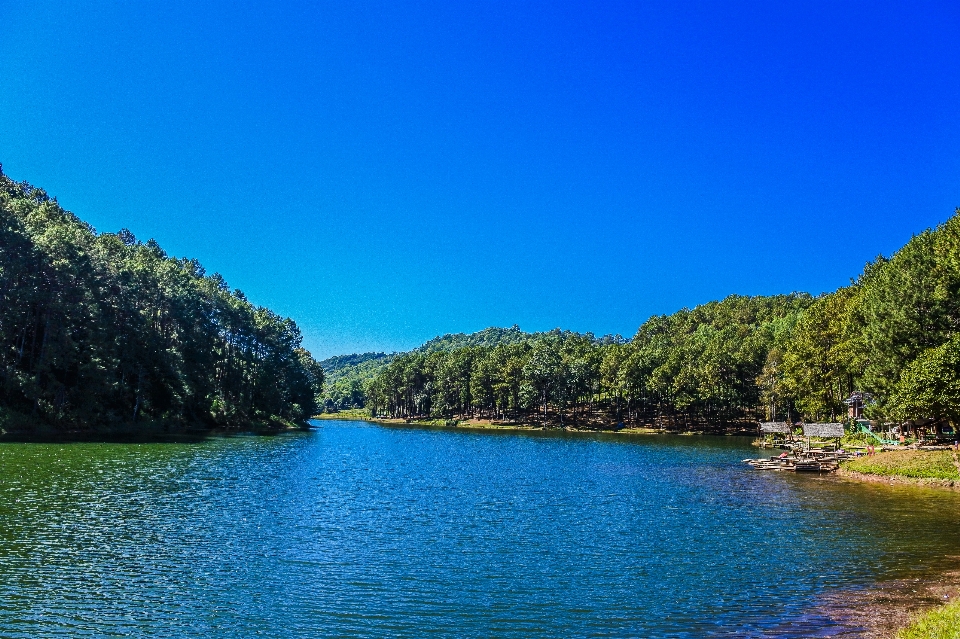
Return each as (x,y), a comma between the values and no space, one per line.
(802,459)
(812,462)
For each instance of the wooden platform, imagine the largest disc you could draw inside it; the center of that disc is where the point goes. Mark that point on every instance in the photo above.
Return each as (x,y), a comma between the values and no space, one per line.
(814,463)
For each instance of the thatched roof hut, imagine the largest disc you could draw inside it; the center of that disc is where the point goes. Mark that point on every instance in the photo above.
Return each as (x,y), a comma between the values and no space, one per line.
(823,430)
(776,427)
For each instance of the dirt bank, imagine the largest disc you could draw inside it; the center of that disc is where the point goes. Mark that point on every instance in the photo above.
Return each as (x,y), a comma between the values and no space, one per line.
(878,612)
(948,484)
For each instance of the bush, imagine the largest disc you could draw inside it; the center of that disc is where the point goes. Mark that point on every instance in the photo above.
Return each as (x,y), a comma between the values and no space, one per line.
(942,623)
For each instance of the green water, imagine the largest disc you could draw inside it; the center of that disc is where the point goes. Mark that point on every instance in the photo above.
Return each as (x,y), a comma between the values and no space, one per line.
(361,530)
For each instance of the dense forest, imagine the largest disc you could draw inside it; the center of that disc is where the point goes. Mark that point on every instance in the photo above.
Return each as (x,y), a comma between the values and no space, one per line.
(697,365)
(101,332)
(348,376)
(892,335)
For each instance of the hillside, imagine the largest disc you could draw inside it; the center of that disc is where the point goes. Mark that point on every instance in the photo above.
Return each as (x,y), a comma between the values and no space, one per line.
(893,335)
(346,378)
(100,332)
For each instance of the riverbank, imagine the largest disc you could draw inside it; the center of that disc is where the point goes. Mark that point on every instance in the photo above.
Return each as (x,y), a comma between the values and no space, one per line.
(904,608)
(497,425)
(943,622)
(932,469)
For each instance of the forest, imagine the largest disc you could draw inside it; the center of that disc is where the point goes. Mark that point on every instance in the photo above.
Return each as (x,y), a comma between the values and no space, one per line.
(349,376)
(892,335)
(100,332)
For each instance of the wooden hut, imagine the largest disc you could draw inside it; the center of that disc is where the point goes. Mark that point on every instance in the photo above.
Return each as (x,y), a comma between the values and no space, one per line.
(780,430)
(831,430)
(772,428)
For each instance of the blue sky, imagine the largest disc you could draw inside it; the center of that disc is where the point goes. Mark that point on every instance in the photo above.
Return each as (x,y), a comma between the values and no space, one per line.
(387,172)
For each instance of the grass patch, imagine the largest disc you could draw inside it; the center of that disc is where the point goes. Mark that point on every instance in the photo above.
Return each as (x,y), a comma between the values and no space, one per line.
(350,413)
(942,623)
(919,464)
(857,438)
(434,422)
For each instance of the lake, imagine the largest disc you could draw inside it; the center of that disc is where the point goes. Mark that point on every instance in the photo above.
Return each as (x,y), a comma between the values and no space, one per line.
(356,529)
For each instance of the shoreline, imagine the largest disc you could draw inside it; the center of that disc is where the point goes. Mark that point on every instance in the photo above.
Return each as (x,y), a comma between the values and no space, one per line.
(492,425)
(900,480)
(146,436)
(489,425)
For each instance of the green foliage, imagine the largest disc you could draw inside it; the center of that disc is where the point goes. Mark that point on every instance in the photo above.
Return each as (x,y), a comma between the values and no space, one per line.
(488,337)
(99,331)
(699,363)
(347,378)
(818,360)
(892,334)
(930,384)
(909,304)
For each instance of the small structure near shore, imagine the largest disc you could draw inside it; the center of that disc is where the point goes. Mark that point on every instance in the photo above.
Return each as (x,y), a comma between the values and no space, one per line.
(771,428)
(781,432)
(826,431)
(817,460)
(833,431)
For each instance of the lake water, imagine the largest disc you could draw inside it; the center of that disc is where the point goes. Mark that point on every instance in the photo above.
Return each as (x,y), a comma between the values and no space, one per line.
(362,530)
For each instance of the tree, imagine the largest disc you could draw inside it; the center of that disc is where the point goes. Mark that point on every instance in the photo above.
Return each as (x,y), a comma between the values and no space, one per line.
(930,385)
(819,362)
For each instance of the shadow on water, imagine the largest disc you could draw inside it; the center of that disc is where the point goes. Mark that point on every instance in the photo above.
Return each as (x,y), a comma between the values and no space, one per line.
(694,439)
(139,435)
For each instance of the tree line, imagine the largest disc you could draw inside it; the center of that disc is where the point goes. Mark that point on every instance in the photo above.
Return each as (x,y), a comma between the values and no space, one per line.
(696,366)
(103,331)
(893,335)
(348,376)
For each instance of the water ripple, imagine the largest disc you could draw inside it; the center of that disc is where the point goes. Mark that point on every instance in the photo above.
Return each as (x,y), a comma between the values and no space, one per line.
(357,530)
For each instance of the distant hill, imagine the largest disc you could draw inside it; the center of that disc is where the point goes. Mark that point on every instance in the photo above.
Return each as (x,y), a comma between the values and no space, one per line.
(346,377)
(336,364)
(487,337)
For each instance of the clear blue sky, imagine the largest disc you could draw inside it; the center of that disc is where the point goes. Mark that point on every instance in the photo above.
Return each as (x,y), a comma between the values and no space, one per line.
(387,172)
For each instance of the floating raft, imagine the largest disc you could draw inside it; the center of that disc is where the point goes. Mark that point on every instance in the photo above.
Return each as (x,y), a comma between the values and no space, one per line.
(818,464)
